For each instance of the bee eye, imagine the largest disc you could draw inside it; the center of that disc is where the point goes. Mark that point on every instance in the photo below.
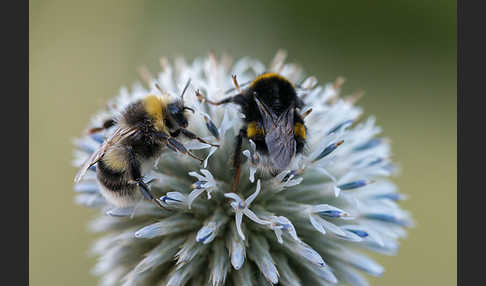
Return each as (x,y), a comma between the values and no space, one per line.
(173,109)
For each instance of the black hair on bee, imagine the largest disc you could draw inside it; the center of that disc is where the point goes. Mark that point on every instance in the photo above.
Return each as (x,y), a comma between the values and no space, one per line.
(144,128)
(270,105)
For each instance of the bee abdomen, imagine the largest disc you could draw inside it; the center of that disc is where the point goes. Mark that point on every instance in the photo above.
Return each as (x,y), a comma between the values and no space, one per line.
(300,136)
(114,185)
(112,179)
(299,146)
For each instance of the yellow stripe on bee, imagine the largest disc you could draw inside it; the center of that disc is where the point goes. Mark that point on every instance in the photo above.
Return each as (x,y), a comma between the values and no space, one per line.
(253,129)
(267,76)
(115,159)
(299,130)
(155,106)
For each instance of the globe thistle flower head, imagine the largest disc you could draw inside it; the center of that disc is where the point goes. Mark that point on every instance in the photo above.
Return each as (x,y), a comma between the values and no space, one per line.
(310,224)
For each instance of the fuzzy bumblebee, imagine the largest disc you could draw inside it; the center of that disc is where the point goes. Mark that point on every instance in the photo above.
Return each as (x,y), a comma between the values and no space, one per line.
(270,106)
(142,131)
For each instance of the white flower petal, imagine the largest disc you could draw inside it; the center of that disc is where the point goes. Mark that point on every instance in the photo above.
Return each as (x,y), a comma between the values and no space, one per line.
(239,218)
(238,255)
(247,154)
(234,196)
(174,198)
(288,226)
(320,224)
(196,145)
(316,224)
(193,195)
(252,173)
(250,199)
(195,174)
(211,152)
(251,215)
(206,233)
(329,211)
(207,175)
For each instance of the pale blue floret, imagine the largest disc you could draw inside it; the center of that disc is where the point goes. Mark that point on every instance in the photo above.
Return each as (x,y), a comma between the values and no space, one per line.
(328,150)
(341,125)
(368,145)
(354,185)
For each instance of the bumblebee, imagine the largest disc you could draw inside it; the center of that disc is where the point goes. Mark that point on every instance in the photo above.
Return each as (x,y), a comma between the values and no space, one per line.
(143,130)
(270,105)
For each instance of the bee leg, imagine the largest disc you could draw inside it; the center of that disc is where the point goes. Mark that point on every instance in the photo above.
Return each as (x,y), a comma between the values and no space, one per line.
(172,148)
(237,158)
(240,85)
(106,124)
(201,97)
(179,147)
(236,84)
(191,135)
(175,145)
(144,189)
(304,115)
(134,169)
(175,133)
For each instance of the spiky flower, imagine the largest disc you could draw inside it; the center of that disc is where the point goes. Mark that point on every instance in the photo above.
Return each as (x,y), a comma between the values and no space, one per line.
(309,225)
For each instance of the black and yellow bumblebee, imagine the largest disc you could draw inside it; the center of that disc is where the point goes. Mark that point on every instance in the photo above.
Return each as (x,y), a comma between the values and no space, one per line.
(271,108)
(143,129)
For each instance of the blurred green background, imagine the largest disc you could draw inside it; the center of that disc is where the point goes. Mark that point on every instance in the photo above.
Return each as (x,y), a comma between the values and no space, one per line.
(401,52)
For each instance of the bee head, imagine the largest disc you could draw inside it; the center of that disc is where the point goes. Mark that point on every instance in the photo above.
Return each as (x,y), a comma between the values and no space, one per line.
(176,110)
(177,113)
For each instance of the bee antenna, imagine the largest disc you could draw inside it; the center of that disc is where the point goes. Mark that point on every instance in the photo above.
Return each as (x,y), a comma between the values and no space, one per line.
(185,88)
(188,108)
(235,83)
(159,88)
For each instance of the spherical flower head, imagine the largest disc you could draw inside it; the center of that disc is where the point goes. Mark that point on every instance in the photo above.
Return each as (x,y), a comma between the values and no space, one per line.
(310,224)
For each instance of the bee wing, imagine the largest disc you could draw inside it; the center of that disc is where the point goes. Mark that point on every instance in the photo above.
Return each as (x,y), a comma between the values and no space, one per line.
(118,135)
(279,134)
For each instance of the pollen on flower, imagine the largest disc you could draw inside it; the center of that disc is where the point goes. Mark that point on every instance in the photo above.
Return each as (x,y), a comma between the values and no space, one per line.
(305,225)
